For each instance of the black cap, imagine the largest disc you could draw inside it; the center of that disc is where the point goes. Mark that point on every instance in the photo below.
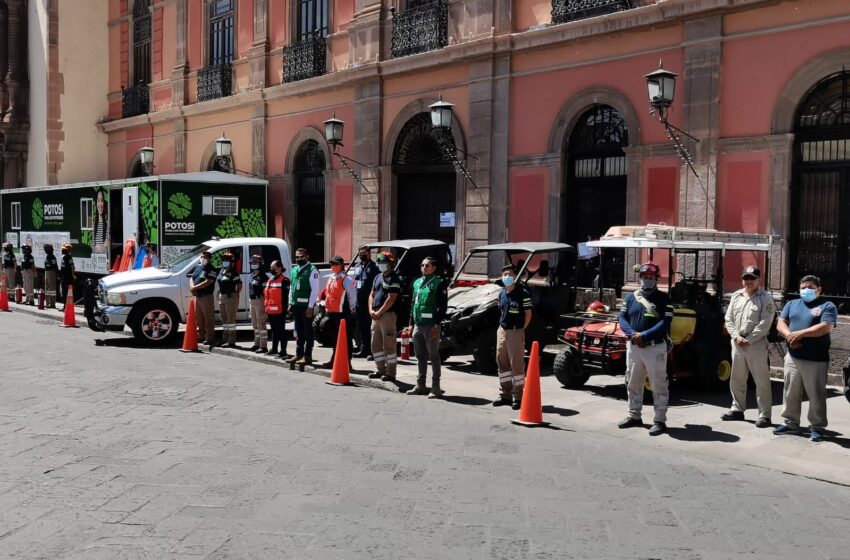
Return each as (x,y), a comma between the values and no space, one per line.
(337,260)
(751,271)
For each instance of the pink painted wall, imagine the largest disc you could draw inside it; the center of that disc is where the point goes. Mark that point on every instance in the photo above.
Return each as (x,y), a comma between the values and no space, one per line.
(281,131)
(660,200)
(343,219)
(343,12)
(533,115)
(244,27)
(527,208)
(756,69)
(195,34)
(279,18)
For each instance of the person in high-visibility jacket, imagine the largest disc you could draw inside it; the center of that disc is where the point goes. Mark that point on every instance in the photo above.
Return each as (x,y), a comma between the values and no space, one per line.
(150,260)
(229,291)
(303,293)
(274,299)
(51,274)
(386,289)
(430,300)
(28,273)
(340,303)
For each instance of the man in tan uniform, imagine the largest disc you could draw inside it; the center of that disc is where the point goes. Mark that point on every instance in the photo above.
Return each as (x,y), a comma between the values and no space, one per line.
(748,319)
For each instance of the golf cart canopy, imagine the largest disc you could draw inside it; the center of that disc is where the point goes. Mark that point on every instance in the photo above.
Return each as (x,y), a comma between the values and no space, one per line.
(655,236)
(530,247)
(405,244)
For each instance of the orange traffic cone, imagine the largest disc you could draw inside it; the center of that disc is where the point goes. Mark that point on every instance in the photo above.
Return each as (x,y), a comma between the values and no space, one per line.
(4,295)
(70,320)
(190,337)
(340,373)
(531,411)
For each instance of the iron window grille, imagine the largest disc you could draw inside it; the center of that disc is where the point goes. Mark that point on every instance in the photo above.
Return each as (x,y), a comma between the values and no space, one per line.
(214,82)
(312,19)
(305,59)
(574,10)
(420,29)
(135,100)
(141,42)
(221,38)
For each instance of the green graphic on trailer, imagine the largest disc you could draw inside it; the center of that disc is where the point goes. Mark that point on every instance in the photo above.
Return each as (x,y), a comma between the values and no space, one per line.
(179,206)
(37,213)
(251,224)
(149,209)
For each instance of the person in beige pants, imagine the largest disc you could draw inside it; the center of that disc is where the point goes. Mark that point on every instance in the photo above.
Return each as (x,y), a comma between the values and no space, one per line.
(229,291)
(202,286)
(51,275)
(256,295)
(748,319)
(515,315)
(382,299)
(28,274)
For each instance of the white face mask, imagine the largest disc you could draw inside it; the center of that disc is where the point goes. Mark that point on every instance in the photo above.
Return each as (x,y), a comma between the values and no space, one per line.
(254,266)
(382,267)
(225,264)
(647,283)
(205,262)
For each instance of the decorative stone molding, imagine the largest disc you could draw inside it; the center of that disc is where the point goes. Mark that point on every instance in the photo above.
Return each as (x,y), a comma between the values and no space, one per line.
(303,135)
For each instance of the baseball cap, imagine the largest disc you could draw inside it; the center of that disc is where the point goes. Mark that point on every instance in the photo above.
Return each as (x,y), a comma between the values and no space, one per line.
(751,271)
(385,257)
(337,260)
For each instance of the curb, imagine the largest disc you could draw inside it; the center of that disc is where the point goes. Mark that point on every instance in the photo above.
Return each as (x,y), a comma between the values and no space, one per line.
(47,314)
(357,379)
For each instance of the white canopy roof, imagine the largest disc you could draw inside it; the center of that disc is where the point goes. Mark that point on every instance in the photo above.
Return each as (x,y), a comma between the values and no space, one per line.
(660,236)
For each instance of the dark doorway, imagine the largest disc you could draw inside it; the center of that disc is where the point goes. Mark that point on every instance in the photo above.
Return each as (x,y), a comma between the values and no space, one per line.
(426,184)
(596,189)
(819,237)
(310,200)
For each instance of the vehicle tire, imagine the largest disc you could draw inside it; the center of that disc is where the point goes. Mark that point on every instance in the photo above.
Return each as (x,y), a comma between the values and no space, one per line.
(714,376)
(484,354)
(155,322)
(568,369)
(320,329)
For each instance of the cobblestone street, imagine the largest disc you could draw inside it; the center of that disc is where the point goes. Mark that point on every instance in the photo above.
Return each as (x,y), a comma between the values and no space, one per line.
(114,451)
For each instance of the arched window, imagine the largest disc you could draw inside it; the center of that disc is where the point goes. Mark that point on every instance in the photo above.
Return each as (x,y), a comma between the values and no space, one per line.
(309,168)
(221,19)
(820,192)
(596,185)
(312,19)
(141,43)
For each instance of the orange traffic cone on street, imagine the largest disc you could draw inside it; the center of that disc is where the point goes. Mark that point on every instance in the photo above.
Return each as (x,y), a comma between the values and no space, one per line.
(190,337)
(4,295)
(340,374)
(70,320)
(531,411)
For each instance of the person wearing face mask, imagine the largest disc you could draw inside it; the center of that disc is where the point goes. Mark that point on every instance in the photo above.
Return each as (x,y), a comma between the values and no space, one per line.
(340,301)
(748,319)
(645,318)
(386,289)
(202,286)
(365,272)
(805,324)
(67,272)
(256,297)
(51,272)
(275,307)
(430,300)
(229,290)
(303,293)
(10,264)
(514,317)
(28,273)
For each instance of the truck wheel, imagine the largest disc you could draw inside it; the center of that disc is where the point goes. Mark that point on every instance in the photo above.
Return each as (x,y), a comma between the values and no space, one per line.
(484,354)
(155,322)
(320,329)
(714,376)
(568,369)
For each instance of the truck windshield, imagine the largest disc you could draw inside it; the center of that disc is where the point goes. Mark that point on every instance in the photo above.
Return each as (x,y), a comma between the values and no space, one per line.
(183,259)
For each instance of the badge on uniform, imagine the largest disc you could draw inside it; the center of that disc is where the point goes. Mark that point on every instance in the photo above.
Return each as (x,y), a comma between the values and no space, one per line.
(816,311)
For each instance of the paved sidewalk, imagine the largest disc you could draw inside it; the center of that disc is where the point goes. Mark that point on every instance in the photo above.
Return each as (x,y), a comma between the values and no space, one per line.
(694,416)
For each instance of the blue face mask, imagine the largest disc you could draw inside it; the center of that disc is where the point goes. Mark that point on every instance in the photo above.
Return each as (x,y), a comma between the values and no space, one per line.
(507,280)
(808,294)
(647,284)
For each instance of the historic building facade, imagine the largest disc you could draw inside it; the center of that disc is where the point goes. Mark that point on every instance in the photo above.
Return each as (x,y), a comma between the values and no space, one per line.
(14,93)
(551,116)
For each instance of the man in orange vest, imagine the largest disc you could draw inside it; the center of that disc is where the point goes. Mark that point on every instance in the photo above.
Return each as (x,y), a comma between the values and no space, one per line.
(340,303)
(150,260)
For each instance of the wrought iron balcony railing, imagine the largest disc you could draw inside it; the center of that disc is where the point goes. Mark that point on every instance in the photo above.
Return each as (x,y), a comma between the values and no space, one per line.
(214,82)
(420,29)
(573,10)
(305,59)
(135,101)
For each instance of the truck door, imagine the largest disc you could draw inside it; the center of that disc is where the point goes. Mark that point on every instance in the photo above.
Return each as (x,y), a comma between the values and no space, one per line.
(130,213)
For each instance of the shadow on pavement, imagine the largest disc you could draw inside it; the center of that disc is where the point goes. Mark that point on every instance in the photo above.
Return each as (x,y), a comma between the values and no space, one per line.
(130,342)
(700,432)
(460,399)
(549,409)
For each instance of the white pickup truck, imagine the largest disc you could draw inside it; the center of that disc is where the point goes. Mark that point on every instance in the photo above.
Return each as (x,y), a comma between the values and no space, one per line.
(154,301)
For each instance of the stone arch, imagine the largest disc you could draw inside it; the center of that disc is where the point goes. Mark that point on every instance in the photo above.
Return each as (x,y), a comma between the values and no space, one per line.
(209,156)
(799,85)
(408,112)
(290,213)
(306,133)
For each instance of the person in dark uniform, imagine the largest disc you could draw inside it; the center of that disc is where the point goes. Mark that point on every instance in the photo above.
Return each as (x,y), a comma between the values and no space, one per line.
(365,273)
(514,317)
(386,290)
(275,298)
(202,286)
(28,273)
(51,273)
(67,273)
(229,290)
(256,297)
(645,318)
(10,264)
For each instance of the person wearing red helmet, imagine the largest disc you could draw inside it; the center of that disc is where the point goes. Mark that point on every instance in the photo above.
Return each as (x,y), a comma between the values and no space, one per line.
(645,318)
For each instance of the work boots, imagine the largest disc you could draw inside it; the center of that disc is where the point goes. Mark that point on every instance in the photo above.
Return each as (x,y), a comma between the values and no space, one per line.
(418,390)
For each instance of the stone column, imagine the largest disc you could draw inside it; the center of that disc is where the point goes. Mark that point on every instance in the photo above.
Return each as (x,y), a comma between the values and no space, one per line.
(179,95)
(258,140)
(4,62)
(367,149)
(180,145)
(16,76)
(781,158)
(701,107)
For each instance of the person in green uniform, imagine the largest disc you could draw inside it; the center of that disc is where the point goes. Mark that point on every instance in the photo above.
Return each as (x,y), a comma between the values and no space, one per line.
(303,293)
(430,299)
